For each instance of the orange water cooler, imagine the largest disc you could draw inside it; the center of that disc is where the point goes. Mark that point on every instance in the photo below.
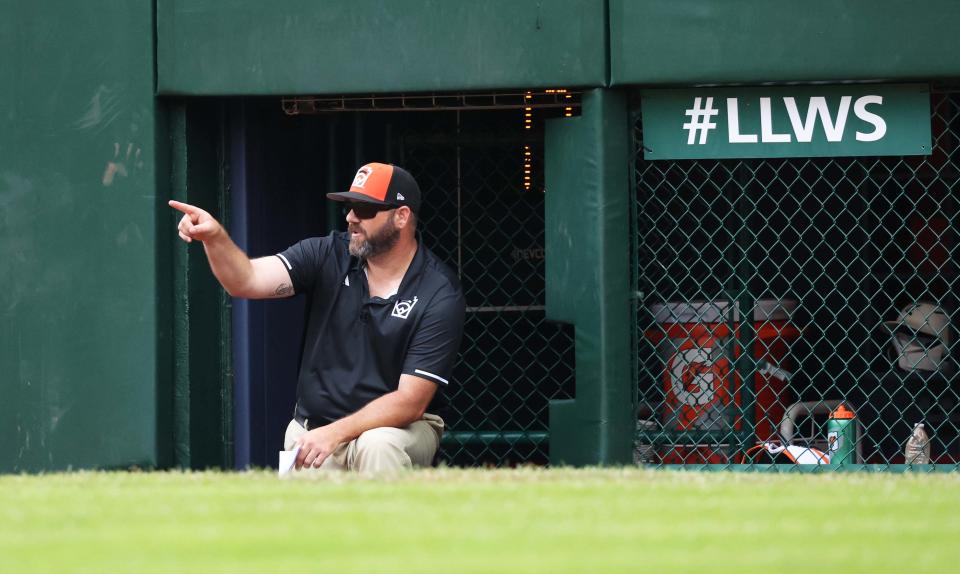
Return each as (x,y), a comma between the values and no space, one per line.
(696,342)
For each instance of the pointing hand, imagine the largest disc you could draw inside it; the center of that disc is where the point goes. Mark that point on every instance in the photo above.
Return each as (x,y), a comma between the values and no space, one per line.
(196,223)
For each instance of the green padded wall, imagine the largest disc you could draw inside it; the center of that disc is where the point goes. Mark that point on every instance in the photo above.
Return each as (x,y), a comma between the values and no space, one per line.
(202,363)
(587,278)
(756,41)
(246,47)
(79,333)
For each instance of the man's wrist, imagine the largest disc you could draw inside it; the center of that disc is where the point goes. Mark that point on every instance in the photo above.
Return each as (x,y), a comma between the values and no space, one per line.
(340,431)
(219,236)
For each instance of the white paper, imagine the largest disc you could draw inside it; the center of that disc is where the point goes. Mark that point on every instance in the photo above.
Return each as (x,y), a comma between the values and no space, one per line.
(287,459)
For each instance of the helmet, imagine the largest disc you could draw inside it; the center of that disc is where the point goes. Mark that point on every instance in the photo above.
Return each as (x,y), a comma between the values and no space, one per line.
(921,338)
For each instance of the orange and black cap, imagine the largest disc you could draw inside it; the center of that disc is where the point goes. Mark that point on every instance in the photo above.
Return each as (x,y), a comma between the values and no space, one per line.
(382,184)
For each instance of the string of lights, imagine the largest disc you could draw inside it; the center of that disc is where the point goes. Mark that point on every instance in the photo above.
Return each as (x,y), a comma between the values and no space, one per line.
(562,98)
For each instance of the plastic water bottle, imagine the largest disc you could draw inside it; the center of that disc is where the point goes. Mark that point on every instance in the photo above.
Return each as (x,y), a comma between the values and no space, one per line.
(842,435)
(917,450)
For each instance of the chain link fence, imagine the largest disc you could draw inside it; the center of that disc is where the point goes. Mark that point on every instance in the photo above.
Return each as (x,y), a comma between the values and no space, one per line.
(838,276)
(486,221)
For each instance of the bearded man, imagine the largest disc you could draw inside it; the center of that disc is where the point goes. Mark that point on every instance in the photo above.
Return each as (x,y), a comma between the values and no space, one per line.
(384,325)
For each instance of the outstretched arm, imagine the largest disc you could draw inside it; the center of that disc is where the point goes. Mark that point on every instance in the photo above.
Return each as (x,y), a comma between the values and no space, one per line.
(262,278)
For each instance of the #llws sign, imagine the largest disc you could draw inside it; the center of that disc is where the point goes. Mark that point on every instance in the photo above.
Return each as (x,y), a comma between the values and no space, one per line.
(795,121)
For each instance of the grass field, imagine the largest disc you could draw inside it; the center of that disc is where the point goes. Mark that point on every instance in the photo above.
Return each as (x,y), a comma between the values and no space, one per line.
(453,521)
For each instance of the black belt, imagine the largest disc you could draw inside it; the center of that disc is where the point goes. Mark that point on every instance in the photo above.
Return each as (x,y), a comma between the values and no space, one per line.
(306,423)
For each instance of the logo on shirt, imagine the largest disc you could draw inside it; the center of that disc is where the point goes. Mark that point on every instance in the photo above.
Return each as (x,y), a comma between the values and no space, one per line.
(402,309)
(361,178)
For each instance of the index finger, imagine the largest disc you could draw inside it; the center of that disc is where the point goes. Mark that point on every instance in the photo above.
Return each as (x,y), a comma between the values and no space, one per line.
(301,459)
(184,207)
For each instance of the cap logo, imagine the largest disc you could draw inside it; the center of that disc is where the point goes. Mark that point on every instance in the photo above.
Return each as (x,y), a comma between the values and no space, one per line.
(400,197)
(361,178)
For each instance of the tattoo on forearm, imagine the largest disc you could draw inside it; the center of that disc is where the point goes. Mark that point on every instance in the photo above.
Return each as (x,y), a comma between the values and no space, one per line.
(283,290)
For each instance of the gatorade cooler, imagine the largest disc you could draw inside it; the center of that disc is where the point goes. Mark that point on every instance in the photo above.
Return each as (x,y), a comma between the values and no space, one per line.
(700,380)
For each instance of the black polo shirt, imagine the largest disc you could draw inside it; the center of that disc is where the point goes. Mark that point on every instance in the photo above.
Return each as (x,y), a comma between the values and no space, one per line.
(357,346)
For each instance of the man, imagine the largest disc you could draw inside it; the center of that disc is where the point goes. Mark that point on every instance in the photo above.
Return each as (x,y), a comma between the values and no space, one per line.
(384,325)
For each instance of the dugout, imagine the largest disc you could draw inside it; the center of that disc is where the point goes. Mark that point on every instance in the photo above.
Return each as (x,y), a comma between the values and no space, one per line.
(119,350)
(479,160)
(828,252)
(475,141)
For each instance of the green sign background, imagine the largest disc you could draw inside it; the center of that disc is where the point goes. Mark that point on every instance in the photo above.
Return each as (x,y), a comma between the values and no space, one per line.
(669,117)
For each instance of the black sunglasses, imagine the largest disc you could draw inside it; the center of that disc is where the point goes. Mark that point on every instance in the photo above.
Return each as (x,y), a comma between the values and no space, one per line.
(365,210)
(908,336)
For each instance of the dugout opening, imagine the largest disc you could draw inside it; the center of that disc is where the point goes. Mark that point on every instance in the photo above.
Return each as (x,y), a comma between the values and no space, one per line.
(479,161)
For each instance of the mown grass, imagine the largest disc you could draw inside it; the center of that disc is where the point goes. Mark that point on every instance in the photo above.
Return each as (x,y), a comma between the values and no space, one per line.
(454,521)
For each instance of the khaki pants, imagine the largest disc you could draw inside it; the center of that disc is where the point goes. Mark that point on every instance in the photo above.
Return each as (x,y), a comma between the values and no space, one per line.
(379,450)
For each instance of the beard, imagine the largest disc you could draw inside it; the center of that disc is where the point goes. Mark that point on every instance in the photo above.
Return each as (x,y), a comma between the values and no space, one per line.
(380,241)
